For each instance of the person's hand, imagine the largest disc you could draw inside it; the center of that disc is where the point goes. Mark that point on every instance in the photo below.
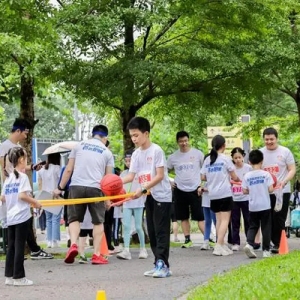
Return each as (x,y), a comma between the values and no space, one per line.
(2,198)
(137,194)
(37,204)
(199,190)
(173,185)
(107,204)
(56,193)
(281,184)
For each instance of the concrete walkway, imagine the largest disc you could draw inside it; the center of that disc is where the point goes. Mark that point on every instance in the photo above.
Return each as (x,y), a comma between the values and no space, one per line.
(124,280)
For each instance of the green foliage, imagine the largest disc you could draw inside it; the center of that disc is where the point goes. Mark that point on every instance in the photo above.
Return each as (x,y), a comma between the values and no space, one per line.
(271,278)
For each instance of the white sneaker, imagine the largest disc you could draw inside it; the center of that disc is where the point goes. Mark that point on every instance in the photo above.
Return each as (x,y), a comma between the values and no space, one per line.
(125,254)
(55,244)
(220,251)
(9,281)
(267,253)
(235,248)
(22,282)
(249,251)
(143,253)
(226,248)
(150,273)
(205,246)
(118,249)
(49,244)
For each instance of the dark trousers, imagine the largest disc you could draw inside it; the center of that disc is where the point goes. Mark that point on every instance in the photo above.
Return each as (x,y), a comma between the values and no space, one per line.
(42,221)
(108,224)
(116,231)
(14,264)
(260,219)
(239,207)
(31,240)
(158,216)
(279,218)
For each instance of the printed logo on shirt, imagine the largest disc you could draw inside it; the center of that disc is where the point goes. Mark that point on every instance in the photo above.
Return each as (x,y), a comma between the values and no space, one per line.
(217,167)
(273,169)
(149,160)
(92,147)
(185,167)
(280,157)
(143,178)
(256,180)
(12,188)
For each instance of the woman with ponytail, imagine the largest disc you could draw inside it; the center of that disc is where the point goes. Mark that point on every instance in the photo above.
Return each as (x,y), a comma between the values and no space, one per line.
(216,171)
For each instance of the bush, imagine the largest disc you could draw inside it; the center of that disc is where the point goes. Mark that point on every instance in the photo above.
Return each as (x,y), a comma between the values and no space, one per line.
(269,278)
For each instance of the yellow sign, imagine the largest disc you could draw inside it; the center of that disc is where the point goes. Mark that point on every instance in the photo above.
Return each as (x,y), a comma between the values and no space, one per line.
(225,131)
(231,142)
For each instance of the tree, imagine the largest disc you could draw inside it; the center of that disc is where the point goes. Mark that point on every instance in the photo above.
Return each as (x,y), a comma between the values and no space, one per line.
(204,55)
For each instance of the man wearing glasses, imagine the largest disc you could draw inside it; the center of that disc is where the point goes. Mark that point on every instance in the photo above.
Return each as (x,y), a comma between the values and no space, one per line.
(187,163)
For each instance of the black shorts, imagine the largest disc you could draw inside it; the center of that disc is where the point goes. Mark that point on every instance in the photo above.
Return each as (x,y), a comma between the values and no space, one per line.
(173,215)
(86,232)
(77,212)
(223,204)
(186,204)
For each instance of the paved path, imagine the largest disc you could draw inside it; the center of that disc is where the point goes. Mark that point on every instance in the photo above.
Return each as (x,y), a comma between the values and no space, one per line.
(124,280)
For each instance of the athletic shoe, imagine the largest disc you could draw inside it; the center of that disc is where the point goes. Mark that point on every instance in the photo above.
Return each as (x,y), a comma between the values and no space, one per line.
(220,251)
(161,270)
(98,260)
(9,281)
(267,253)
(22,282)
(235,248)
(205,246)
(275,249)
(49,245)
(226,248)
(125,254)
(71,254)
(40,255)
(150,273)
(143,254)
(55,244)
(83,260)
(188,244)
(249,251)
(176,240)
(118,249)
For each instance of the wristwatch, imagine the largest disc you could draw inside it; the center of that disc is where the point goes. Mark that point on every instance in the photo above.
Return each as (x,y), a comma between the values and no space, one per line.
(59,188)
(144,191)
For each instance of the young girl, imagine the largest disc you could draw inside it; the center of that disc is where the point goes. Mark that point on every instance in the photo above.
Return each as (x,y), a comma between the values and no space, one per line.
(216,170)
(16,192)
(48,181)
(132,208)
(240,201)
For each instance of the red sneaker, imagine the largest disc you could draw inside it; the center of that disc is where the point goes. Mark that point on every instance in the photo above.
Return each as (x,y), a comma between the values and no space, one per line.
(99,260)
(71,254)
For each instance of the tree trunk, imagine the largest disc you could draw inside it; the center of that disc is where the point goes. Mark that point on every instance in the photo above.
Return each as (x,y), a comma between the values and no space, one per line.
(297,99)
(27,112)
(126,116)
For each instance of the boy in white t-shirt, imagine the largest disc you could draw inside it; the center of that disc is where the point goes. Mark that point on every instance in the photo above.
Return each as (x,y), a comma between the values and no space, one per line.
(148,162)
(258,183)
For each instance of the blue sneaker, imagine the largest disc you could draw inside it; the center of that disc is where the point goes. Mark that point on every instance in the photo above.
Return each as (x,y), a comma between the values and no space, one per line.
(150,273)
(162,271)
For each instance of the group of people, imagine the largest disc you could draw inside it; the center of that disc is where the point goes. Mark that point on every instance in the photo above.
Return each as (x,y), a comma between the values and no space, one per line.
(211,188)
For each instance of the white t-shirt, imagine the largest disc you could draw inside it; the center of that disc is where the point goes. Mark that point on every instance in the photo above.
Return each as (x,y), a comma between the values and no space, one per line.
(4,148)
(118,212)
(50,177)
(87,221)
(187,166)
(130,188)
(258,182)
(237,190)
(144,164)
(217,176)
(18,211)
(276,162)
(91,159)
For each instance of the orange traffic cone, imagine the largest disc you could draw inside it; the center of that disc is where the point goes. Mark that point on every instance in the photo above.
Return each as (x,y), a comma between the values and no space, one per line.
(101,295)
(283,246)
(103,246)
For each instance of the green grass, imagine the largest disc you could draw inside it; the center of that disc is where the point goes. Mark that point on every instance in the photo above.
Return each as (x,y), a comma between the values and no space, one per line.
(270,278)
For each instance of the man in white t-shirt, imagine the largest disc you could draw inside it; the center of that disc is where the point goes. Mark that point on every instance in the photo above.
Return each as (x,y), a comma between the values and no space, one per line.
(18,134)
(187,163)
(279,161)
(88,162)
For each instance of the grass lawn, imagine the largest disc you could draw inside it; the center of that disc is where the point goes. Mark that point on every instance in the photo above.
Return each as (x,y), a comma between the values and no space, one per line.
(270,278)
